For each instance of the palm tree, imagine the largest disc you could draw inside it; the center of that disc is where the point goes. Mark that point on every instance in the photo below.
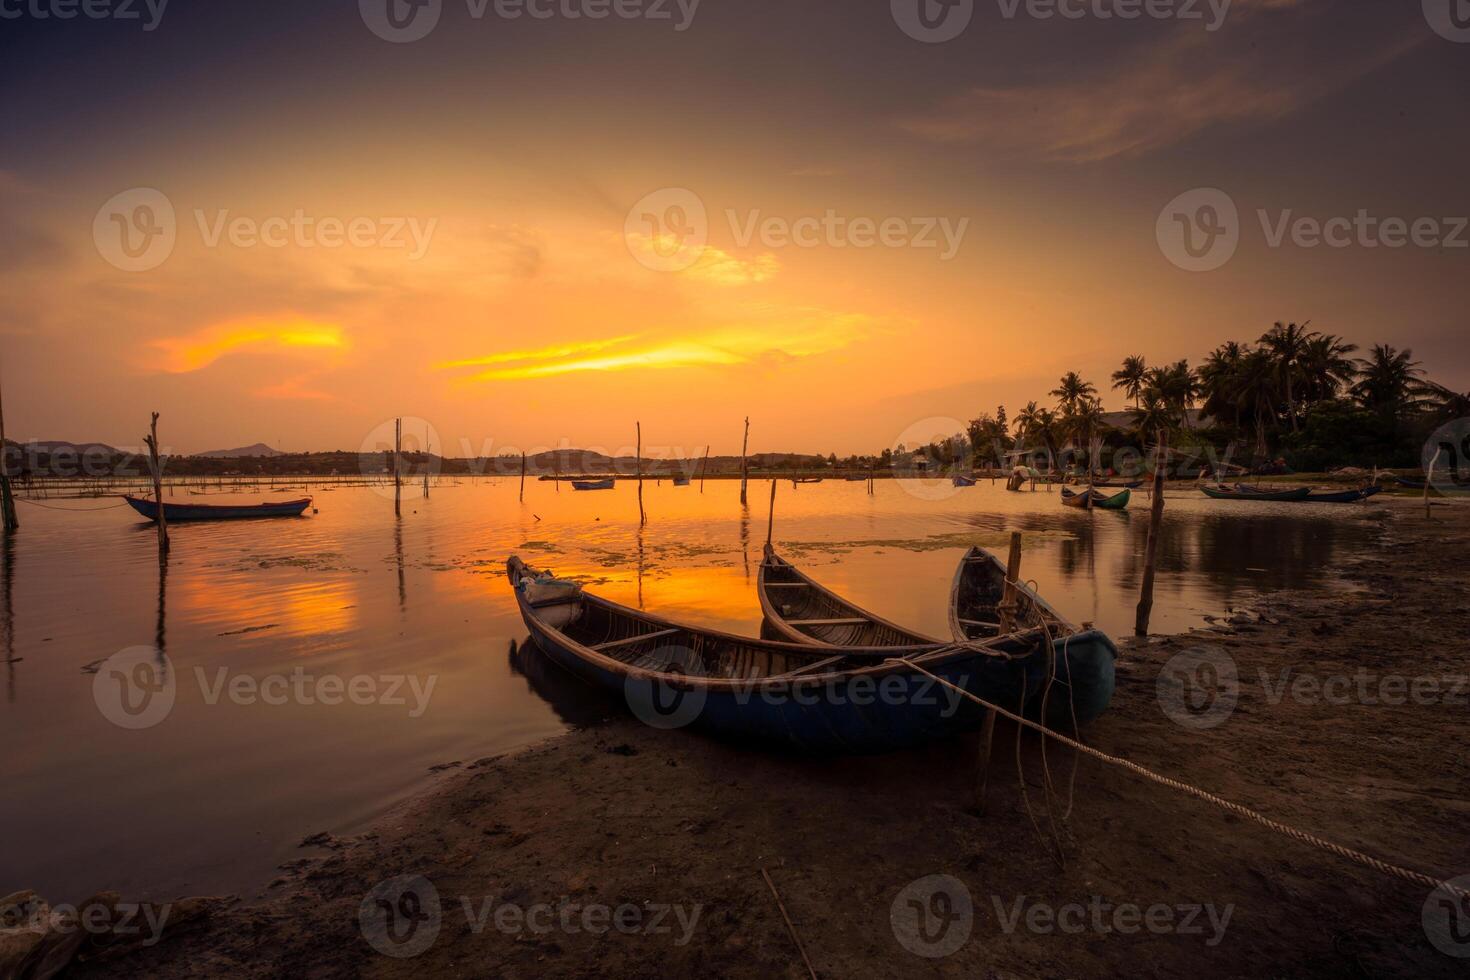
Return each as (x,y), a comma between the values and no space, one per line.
(1326,367)
(1131,376)
(1176,385)
(1084,420)
(1072,390)
(1217,381)
(1446,402)
(1390,384)
(1287,343)
(1039,423)
(1258,393)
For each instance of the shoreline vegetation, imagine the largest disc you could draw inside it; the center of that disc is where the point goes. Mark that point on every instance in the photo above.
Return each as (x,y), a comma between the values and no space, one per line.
(617,815)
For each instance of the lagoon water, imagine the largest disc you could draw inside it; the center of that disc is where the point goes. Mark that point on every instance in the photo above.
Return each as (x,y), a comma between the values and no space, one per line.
(220,785)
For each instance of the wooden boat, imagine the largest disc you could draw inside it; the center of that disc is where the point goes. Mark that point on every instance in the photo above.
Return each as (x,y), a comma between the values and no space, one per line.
(807,479)
(963,481)
(217,512)
(607,484)
(850,478)
(796,695)
(1343,496)
(1125,484)
(681,481)
(1117,501)
(799,610)
(1454,483)
(1084,657)
(1240,491)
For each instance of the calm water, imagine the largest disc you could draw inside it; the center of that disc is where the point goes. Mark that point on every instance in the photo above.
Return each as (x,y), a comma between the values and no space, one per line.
(220,790)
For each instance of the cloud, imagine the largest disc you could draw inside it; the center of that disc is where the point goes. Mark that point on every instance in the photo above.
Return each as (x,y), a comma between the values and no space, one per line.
(722,268)
(277,335)
(1162,94)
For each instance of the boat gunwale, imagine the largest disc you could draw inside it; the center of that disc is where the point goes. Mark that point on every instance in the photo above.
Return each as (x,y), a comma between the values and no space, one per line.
(785,627)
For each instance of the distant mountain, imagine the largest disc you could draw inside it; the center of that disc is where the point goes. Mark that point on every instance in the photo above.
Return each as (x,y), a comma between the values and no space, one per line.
(51,447)
(259,449)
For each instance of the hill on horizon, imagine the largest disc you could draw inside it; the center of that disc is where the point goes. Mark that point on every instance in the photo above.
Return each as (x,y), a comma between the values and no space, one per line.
(258,449)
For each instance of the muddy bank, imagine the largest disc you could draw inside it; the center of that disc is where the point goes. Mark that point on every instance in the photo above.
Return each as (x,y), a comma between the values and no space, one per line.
(623,851)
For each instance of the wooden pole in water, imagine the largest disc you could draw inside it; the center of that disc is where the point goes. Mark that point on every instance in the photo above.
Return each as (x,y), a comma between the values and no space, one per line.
(522,497)
(704,465)
(7,500)
(771,517)
(397,467)
(1151,549)
(155,465)
(744,467)
(1007,611)
(1429,478)
(638,465)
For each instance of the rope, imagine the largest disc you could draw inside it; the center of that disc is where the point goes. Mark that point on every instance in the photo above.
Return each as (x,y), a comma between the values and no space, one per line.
(1347,853)
(73,510)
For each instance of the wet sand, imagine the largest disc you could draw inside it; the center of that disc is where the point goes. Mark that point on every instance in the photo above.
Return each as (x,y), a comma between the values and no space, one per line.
(630,821)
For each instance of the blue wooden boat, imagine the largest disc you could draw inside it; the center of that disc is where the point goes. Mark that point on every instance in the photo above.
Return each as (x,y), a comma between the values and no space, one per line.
(1242,492)
(963,481)
(217,512)
(607,484)
(794,695)
(799,610)
(1090,498)
(1085,657)
(1343,496)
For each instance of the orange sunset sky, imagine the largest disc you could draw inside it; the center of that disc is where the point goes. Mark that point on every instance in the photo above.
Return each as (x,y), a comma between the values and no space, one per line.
(523,317)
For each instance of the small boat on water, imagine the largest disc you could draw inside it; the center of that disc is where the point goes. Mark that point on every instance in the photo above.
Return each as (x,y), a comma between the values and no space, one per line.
(1090,497)
(807,479)
(963,481)
(1241,491)
(853,478)
(799,610)
(1126,484)
(217,512)
(607,484)
(681,481)
(1342,496)
(1084,657)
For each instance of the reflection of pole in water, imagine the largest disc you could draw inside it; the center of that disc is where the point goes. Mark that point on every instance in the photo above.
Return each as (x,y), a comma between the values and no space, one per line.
(7,612)
(640,562)
(745,538)
(160,629)
(398,553)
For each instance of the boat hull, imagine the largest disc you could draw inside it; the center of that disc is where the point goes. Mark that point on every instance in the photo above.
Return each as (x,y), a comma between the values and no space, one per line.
(1343,497)
(607,484)
(216,512)
(1233,493)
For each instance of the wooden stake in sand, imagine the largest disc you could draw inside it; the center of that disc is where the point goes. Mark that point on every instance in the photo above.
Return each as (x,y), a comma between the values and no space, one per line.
(1429,479)
(522,497)
(428,451)
(1009,605)
(638,464)
(704,465)
(155,466)
(744,468)
(789,927)
(397,467)
(771,517)
(1151,549)
(7,501)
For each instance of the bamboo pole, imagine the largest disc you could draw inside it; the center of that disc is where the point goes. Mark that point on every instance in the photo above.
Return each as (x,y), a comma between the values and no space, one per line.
(428,451)
(744,466)
(155,466)
(522,497)
(1151,549)
(703,466)
(638,465)
(1007,610)
(7,500)
(397,467)
(1429,479)
(771,517)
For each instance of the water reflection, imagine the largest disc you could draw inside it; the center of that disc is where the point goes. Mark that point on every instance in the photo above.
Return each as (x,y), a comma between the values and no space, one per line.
(398,556)
(7,612)
(160,630)
(576,703)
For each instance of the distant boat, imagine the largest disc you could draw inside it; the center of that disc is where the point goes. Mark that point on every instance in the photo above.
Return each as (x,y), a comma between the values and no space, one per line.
(797,695)
(1454,483)
(681,481)
(217,512)
(607,484)
(851,478)
(1241,491)
(807,479)
(799,610)
(1343,496)
(963,481)
(1117,501)
(1085,671)
(1128,485)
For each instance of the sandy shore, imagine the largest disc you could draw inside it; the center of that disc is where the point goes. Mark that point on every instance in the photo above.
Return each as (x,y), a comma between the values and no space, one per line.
(619,850)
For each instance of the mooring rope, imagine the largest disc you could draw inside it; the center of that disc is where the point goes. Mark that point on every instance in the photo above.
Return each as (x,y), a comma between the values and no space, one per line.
(1367,860)
(71,510)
